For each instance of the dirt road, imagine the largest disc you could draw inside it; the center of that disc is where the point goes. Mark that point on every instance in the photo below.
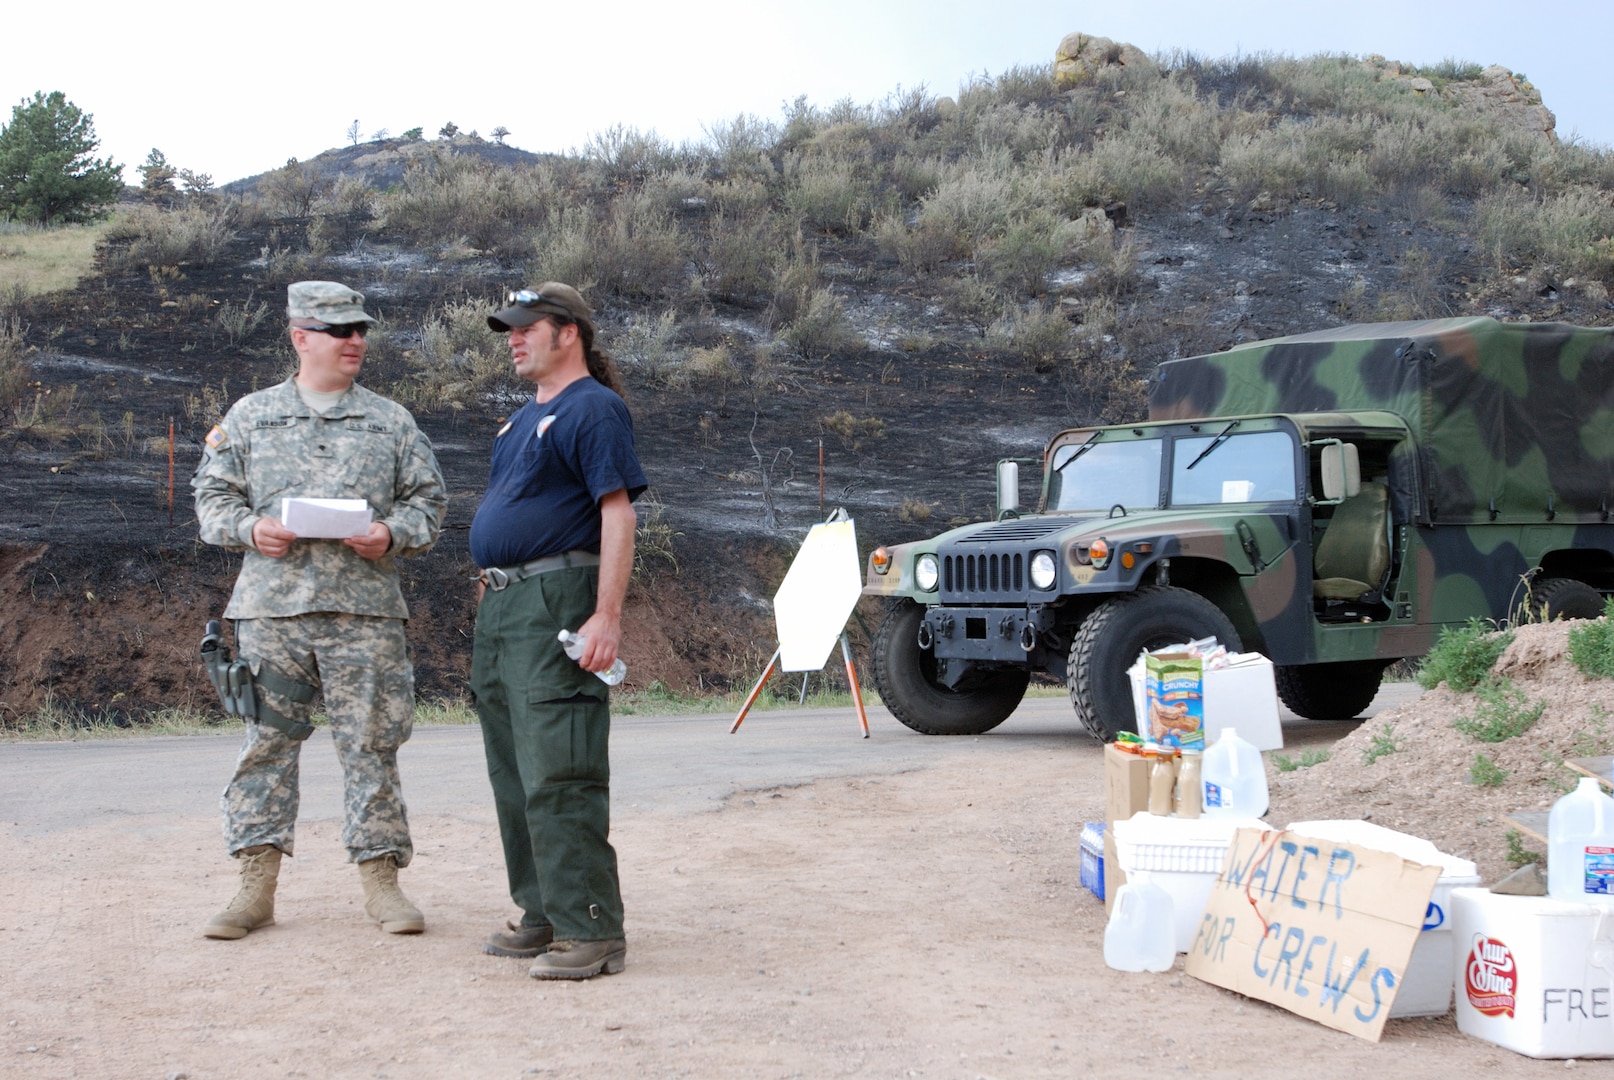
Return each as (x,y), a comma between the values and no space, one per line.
(913,911)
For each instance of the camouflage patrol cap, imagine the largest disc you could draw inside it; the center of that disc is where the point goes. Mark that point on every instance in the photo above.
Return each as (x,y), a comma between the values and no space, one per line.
(328,302)
(551,299)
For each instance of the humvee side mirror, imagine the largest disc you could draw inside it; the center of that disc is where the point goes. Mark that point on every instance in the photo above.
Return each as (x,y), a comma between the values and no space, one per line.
(1008,489)
(1342,471)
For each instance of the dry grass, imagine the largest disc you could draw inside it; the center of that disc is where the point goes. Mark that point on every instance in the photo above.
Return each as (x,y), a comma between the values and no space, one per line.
(35,261)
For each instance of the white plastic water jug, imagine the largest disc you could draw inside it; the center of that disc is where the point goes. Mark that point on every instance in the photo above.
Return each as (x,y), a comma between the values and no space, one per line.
(1580,846)
(1233,777)
(1141,933)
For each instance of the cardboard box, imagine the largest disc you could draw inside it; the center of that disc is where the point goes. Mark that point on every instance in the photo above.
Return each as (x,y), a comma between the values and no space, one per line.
(1533,974)
(1126,785)
(1242,695)
(1174,699)
(1126,791)
(1114,876)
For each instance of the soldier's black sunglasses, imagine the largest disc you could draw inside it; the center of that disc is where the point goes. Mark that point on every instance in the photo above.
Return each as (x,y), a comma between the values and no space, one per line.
(342,330)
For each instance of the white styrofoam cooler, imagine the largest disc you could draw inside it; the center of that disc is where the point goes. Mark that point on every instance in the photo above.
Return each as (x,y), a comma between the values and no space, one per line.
(1533,974)
(1426,985)
(1243,695)
(1182,856)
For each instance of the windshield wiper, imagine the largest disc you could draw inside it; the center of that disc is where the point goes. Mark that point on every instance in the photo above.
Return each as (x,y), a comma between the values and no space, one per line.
(1080,450)
(1218,441)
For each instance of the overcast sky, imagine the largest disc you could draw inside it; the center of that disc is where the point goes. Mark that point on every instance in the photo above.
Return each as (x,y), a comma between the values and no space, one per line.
(233,90)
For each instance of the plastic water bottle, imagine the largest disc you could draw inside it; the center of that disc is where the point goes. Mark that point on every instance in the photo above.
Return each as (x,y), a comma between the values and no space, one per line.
(1141,934)
(1580,846)
(573,644)
(1234,778)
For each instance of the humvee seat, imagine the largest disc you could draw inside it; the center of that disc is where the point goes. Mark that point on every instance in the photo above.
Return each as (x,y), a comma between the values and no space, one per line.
(1352,557)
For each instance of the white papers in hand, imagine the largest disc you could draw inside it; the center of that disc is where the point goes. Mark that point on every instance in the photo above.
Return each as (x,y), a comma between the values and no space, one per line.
(325,519)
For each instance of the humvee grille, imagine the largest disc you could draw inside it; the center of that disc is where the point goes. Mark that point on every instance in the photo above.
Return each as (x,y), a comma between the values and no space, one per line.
(977,574)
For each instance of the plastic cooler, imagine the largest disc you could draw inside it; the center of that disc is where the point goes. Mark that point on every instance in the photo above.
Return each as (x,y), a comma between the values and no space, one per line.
(1092,849)
(1534,974)
(1426,986)
(1182,856)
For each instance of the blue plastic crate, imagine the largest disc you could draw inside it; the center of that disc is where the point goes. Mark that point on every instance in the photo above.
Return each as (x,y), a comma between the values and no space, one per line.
(1092,849)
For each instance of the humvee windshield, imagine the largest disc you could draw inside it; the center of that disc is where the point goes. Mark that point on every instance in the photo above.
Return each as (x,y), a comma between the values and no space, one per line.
(1258,466)
(1099,475)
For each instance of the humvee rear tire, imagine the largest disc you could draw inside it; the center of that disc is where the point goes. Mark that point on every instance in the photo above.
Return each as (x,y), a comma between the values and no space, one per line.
(1330,691)
(905,675)
(1110,639)
(1564,598)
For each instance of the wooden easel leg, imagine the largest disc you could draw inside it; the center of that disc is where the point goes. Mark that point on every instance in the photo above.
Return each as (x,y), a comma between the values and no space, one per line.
(851,679)
(755,690)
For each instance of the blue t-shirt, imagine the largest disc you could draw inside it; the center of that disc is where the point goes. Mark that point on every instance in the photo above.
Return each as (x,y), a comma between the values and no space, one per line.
(552,463)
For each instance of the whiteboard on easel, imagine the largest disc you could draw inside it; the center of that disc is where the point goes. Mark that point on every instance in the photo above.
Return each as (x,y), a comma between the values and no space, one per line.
(817,596)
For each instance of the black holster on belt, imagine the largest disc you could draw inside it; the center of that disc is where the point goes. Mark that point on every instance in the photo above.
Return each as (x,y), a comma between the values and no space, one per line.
(238,685)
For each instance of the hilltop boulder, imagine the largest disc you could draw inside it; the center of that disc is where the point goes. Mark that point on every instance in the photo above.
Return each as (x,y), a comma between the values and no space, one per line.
(1080,57)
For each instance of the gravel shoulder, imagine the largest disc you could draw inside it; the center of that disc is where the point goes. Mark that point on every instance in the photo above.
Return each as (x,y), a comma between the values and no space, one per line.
(920,916)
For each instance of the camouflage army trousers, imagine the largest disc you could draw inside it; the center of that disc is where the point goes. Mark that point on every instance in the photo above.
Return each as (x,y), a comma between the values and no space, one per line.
(546,728)
(361,665)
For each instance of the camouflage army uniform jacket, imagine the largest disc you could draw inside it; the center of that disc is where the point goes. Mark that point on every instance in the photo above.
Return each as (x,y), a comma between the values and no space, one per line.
(271,445)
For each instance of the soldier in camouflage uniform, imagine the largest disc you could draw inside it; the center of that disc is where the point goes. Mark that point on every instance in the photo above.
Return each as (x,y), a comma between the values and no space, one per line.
(320,614)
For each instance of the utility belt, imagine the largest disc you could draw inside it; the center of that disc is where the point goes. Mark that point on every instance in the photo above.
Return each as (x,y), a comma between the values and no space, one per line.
(238,685)
(499,578)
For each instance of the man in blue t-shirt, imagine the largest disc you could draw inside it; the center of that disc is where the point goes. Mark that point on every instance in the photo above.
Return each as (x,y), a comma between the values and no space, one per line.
(555,534)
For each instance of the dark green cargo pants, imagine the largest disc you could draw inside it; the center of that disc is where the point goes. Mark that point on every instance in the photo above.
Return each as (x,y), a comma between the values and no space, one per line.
(546,726)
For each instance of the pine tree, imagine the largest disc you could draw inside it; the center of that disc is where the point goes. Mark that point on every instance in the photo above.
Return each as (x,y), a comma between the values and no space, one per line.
(46,171)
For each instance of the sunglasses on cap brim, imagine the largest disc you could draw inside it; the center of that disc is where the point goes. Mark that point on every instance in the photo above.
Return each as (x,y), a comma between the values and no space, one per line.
(533,299)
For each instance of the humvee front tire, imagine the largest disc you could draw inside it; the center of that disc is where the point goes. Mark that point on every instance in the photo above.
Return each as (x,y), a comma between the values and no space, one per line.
(1564,598)
(905,675)
(1330,691)
(1110,639)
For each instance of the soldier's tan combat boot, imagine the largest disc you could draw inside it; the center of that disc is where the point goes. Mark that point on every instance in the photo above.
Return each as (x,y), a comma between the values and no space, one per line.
(581,959)
(254,903)
(384,901)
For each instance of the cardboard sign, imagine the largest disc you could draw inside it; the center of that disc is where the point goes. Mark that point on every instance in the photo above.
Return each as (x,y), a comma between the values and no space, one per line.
(1318,927)
(1175,693)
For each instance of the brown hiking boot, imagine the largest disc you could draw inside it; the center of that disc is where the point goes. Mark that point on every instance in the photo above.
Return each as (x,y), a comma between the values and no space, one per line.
(384,901)
(581,959)
(254,903)
(522,941)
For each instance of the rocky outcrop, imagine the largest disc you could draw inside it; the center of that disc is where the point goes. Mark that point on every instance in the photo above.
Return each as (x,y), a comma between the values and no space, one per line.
(1080,57)
(1497,93)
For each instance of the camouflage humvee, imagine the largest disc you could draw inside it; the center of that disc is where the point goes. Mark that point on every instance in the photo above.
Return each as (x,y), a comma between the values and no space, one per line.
(1332,500)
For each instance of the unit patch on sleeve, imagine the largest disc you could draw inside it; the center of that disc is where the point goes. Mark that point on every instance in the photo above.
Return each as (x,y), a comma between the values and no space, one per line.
(216,438)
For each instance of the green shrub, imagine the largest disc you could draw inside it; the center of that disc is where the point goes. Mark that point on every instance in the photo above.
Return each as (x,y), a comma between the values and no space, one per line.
(1518,854)
(1038,333)
(447,199)
(819,328)
(457,361)
(1463,656)
(1381,744)
(635,251)
(1306,760)
(1591,645)
(1485,772)
(147,236)
(1503,713)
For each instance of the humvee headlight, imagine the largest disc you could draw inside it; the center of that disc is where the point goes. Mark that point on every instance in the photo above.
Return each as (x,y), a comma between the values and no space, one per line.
(880,561)
(1099,553)
(1043,569)
(924,573)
